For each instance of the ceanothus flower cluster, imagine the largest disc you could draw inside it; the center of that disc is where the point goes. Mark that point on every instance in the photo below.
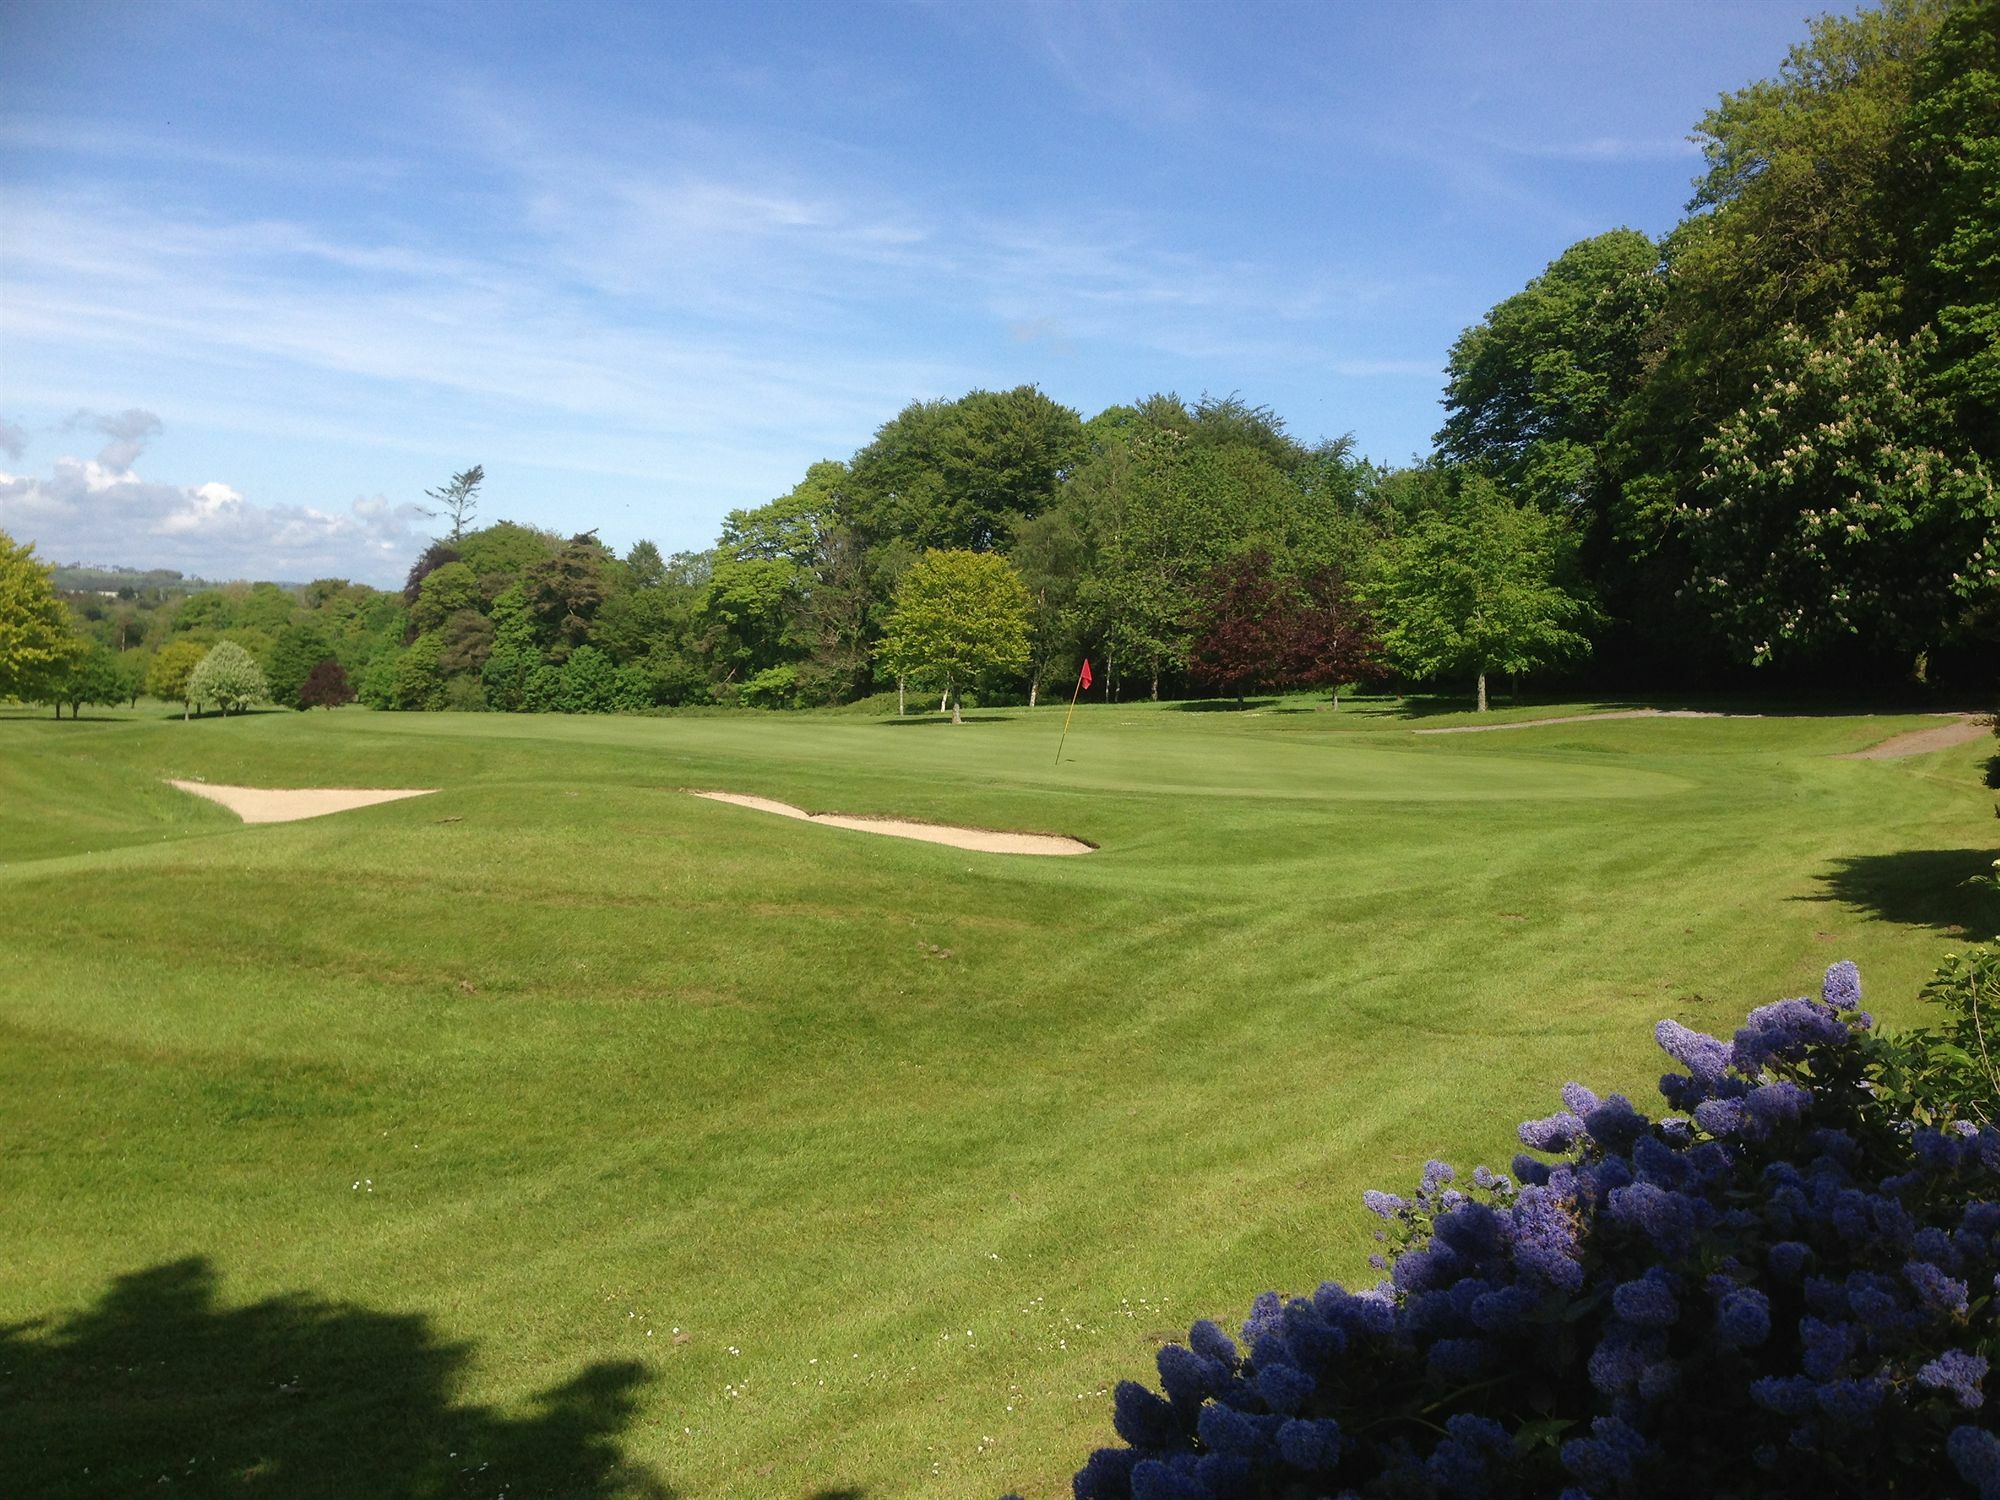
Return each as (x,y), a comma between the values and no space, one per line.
(1771,1291)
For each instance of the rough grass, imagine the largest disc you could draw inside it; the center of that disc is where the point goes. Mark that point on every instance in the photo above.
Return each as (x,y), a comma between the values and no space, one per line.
(708,1154)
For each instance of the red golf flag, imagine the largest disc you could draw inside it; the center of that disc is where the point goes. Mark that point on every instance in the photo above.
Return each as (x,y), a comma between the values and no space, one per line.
(1084,677)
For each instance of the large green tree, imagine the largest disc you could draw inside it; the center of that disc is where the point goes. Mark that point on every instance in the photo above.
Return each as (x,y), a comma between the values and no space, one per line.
(91,675)
(228,676)
(1532,391)
(961,620)
(1952,149)
(962,474)
(298,649)
(36,640)
(172,667)
(1477,586)
(1841,505)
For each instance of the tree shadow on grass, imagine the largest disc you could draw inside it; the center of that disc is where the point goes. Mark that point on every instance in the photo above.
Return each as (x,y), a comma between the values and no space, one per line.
(930,718)
(1220,705)
(159,1389)
(1918,888)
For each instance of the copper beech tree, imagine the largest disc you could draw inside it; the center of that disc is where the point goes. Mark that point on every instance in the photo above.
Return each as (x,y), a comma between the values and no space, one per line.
(1256,629)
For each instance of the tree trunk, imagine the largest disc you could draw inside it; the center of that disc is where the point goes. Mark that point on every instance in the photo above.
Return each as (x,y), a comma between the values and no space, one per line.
(185,706)
(1336,698)
(59,711)
(899,697)
(1033,688)
(1156,684)
(943,699)
(1482,692)
(955,716)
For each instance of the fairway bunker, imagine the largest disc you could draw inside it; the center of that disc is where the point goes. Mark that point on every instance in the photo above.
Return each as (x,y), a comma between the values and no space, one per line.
(261,804)
(979,840)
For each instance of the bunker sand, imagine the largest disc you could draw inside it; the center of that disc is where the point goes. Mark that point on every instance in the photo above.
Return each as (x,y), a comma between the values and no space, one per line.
(259,804)
(979,840)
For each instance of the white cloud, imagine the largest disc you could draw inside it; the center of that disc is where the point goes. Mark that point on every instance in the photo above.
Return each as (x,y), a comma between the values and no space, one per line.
(99,510)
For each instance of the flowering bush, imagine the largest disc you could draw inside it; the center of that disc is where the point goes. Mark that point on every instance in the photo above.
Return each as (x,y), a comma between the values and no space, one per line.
(1783,1287)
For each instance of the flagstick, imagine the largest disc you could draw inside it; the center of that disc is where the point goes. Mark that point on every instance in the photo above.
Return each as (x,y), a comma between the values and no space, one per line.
(1068,716)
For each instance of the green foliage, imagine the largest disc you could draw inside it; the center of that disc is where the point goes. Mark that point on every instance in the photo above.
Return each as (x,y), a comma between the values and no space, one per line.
(90,675)
(1477,588)
(294,654)
(749,612)
(647,568)
(209,611)
(1839,503)
(1936,1076)
(774,687)
(172,666)
(36,643)
(418,680)
(228,676)
(562,593)
(465,641)
(444,590)
(1533,390)
(589,682)
(962,474)
(1953,150)
(961,619)
(503,551)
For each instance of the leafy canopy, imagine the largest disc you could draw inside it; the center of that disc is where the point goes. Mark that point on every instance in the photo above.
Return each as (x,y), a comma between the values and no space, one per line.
(1473,587)
(229,676)
(36,643)
(961,618)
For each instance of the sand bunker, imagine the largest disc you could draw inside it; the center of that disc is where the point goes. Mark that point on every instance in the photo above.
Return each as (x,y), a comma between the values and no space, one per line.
(1620,713)
(261,804)
(1962,729)
(980,840)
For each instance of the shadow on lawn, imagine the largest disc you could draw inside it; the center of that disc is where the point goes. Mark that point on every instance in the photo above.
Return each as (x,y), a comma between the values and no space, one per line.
(927,717)
(1919,888)
(158,1385)
(1220,705)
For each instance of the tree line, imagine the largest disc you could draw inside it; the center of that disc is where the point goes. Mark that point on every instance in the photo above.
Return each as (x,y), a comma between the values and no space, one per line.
(1763,444)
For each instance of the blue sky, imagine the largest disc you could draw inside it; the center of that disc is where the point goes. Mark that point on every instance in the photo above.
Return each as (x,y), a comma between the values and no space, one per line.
(268,272)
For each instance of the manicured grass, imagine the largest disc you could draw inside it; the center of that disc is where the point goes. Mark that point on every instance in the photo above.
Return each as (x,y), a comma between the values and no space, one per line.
(628,1143)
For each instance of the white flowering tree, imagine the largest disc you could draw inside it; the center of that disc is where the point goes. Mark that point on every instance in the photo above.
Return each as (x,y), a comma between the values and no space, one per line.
(1839,503)
(230,676)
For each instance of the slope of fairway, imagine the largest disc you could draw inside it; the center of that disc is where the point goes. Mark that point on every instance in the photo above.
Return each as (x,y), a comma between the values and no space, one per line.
(627,1143)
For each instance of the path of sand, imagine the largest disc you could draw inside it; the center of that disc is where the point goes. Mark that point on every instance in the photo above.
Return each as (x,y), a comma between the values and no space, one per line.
(261,804)
(1963,729)
(981,840)
(1620,713)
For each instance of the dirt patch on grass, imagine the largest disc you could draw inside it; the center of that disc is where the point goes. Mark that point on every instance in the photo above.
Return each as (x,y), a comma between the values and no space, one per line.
(1962,730)
(262,804)
(1618,713)
(979,840)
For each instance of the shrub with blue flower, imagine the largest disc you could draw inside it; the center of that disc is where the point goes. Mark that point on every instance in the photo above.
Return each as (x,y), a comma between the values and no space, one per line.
(1786,1287)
